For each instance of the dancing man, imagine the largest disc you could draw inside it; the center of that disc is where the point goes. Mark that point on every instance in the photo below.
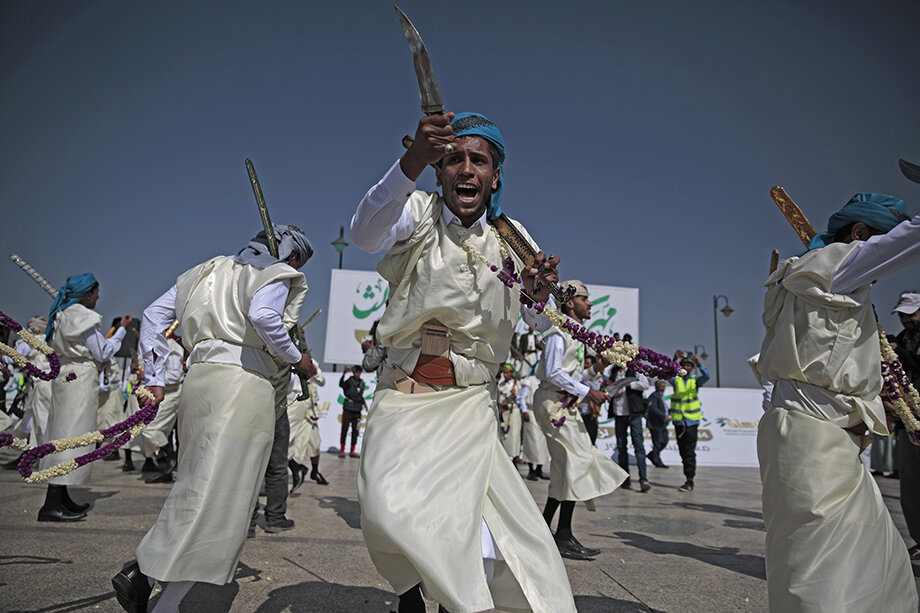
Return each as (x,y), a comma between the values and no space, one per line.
(234,312)
(475,532)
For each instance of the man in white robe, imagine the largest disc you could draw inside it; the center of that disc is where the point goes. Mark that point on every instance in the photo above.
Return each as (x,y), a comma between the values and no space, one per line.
(75,334)
(234,313)
(305,442)
(578,471)
(831,544)
(456,522)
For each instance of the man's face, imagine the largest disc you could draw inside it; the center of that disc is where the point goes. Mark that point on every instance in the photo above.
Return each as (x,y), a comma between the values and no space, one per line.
(660,387)
(467,178)
(581,307)
(911,321)
(507,375)
(90,299)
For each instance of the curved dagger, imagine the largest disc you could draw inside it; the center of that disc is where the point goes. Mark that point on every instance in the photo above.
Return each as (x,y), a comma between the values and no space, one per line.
(911,171)
(427,85)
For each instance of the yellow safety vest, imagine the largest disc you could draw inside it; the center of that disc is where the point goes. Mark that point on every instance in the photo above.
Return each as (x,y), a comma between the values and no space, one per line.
(685,402)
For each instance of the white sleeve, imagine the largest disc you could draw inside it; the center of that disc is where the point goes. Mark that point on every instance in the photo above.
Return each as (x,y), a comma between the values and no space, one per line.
(23,348)
(382,218)
(538,322)
(173,372)
(156,319)
(522,398)
(552,356)
(319,378)
(265,314)
(880,255)
(99,346)
(642,384)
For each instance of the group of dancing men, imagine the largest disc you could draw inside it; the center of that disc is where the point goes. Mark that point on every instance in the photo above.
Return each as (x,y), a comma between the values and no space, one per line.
(444,512)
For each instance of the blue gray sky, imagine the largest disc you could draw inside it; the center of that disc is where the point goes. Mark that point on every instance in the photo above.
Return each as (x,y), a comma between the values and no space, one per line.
(642,138)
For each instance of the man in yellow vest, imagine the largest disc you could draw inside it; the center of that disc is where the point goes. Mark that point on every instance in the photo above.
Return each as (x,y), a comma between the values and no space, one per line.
(686,414)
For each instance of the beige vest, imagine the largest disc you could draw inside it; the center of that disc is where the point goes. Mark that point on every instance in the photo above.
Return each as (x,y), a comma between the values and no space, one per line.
(573,359)
(821,349)
(69,327)
(212,304)
(432,277)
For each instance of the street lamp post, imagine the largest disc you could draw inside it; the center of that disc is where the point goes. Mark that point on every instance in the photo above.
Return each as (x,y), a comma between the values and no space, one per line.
(340,244)
(726,310)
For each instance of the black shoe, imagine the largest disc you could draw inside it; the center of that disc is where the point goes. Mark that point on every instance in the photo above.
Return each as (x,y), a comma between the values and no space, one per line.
(128,466)
(59,514)
(111,457)
(298,474)
(74,508)
(569,548)
(279,525)
(627,485)
(132,589)
(149,466)
(644,486)
(686,487)
(543,475)
(318,477)
(160,478)
(533,476)
(252,532)
(166,464)
(588,550)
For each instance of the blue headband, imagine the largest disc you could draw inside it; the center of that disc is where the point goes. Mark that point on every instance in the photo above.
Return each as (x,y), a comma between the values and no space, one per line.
(874,210)
(73,291)
(474,124)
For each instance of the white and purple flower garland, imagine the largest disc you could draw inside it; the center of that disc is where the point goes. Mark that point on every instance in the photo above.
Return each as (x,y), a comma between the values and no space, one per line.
(122,432)
(619,353)
(899,389)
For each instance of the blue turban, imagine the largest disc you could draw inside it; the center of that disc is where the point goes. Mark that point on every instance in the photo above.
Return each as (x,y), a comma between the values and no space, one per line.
(474,124)
(878,211)
(73,291)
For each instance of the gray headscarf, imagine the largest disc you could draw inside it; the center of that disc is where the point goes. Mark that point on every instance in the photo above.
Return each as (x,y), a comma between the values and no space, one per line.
(290,239)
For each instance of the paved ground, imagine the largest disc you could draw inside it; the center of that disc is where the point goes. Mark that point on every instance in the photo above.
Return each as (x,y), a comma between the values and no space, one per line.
(653,545)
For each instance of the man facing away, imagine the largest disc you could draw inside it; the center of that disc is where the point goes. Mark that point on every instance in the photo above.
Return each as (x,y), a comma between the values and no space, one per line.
(831,544)
(454,521)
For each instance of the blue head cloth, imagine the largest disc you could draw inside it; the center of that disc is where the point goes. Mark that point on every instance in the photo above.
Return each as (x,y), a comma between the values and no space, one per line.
(474,124)
(71,293)
(875,210)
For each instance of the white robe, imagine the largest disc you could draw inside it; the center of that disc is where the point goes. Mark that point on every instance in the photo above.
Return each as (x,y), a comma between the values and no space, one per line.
(303,415)
(432,466)
(831,544)
(226,423)
(534,450)
(510,417)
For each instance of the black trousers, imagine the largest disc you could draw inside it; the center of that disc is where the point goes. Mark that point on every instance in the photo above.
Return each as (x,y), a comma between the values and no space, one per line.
(353,419)
(686,444)
(659,439)
(591,425)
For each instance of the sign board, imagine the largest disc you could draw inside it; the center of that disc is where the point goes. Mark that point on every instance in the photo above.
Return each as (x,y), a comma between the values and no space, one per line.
(357,299)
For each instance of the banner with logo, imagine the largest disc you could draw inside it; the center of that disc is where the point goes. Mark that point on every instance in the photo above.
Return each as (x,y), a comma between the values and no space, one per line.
(727,434)
(615,309)
(357,299)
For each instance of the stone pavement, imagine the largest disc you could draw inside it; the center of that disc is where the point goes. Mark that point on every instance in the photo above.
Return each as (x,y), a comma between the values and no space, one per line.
(653,545)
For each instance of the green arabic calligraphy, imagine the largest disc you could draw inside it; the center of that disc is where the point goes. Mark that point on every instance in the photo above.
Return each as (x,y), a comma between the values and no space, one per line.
(369,293)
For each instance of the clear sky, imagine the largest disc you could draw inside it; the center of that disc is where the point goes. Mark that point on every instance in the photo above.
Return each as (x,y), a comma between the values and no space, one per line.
(642,137)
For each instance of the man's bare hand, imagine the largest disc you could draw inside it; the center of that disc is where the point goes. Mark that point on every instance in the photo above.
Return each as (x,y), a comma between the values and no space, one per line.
(525,417)
(433,134)
(597,397)
(158,394)
(365,345)
(537,277)
(125,321)
(305,366)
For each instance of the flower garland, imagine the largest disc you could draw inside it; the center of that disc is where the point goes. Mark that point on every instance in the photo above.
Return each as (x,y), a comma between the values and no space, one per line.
(619,353)
(123,432)
(33,341)
(900,391)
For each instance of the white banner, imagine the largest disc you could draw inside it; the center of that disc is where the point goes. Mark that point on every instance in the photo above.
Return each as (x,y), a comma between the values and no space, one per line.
(615,309)
(727,434)
(357,299)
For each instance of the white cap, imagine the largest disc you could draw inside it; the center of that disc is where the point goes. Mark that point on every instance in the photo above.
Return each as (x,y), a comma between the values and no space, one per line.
(908,303)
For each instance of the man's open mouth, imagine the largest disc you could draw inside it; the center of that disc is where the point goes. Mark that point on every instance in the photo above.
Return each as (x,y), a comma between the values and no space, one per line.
(466,192)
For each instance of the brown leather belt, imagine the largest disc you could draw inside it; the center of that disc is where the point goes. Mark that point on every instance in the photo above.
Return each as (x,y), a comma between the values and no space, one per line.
(433,369)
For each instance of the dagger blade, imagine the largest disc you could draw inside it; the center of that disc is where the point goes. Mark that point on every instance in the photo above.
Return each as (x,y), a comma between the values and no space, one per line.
(428,90)
(911,171)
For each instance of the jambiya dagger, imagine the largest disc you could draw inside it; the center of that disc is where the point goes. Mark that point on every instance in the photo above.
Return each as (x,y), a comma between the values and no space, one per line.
(433,105)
